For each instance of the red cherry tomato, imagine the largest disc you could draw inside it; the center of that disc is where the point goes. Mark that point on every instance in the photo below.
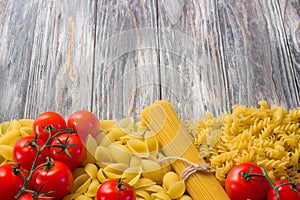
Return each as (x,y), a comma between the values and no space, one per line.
(117,190)
(26,149)
(11,181)
(286,191)
(58,179)
(72,151)
(30,196)
(45,119)
(85,123)
(238,186)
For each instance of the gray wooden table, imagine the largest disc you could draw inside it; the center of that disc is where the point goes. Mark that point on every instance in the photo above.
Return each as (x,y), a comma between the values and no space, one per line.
(116,57)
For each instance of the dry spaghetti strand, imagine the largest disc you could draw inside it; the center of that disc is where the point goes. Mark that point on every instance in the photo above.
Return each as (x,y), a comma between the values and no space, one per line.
(175,140)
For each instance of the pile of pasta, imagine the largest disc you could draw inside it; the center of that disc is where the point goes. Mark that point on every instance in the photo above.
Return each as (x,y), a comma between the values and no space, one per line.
(128,150)
(123,149)
(267,136)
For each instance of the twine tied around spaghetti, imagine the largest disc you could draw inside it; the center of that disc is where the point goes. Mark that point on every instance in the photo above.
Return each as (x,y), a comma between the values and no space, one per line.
(192,168)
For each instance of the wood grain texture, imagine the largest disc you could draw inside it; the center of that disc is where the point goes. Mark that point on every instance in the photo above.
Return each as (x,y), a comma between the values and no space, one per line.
(191,59)
(53,68)
(116,57)
(226,53)
(290,12)
(126,75)
(257,58)
(283,71)
(15,55)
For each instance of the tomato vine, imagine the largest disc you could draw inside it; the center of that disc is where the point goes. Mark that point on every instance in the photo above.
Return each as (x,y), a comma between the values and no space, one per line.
(49,161)
(249,181)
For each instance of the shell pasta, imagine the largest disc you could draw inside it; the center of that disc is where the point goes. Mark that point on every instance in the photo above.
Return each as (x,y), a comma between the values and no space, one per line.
(128,150)
(124,149)
(134,151)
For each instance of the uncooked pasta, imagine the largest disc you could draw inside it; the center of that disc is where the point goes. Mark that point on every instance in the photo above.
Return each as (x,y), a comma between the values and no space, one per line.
(175,140)
(128,150)
(267,136)
(140,152)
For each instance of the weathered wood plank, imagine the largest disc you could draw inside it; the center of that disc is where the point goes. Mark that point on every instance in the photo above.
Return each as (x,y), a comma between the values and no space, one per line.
(17,26)
(258,63)
(126,75)
(52,70)
(192,66)
(224,53)
(202,56)
(284,75)
(290,10)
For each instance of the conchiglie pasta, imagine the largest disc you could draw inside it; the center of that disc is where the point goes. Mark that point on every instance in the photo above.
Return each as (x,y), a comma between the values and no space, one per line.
(93,188)
(123,149)
(103,155)
(152,170)
(79,181)
(119,153)
(138,148)
(129,151)
(132,175)
(169,179)
(143,194)
(176,190)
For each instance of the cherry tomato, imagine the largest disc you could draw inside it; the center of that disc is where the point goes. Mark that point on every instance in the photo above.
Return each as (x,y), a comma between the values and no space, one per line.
(30,196)
(26,149)
(57,179)
(286,191)
(45,119)
(116,189)
(85,123)
(240,186)
(11,181)
(72,151)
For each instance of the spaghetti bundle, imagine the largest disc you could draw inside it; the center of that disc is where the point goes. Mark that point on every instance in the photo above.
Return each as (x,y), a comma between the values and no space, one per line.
(175,140)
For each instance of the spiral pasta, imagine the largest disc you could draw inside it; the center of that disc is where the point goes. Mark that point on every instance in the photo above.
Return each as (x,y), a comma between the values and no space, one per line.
(267,136)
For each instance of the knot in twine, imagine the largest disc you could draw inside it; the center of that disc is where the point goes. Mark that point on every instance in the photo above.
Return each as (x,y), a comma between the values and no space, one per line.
(192,168)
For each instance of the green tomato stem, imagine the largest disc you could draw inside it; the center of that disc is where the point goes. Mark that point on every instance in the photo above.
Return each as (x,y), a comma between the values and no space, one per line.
(248,175)
(49,163)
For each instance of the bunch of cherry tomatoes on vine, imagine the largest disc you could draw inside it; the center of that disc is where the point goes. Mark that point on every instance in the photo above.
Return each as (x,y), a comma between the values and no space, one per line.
(43,162)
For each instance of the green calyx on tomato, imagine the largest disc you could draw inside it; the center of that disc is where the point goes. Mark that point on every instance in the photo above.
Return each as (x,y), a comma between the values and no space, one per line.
(12,178)
(43,162)
(249,174)
(46,119)
(33,196)
(243,180)
(49,156)
(116,189)
(284,189)
(249,181)
(63,146)
(122,185)
(26,149)
(54,179)
(69,149)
